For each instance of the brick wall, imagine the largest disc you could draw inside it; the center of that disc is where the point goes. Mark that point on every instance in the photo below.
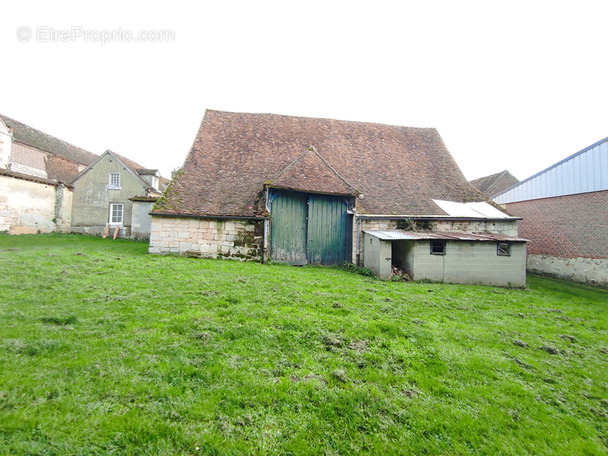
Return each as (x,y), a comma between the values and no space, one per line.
(573,226)
(27,160)
(242,239)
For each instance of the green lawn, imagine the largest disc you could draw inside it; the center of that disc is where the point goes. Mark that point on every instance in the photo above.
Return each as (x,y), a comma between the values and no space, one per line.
(107,350)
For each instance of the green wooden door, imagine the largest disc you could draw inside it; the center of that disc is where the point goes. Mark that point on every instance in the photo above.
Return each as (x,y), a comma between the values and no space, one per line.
(327,230)
(288,237)
(309,228)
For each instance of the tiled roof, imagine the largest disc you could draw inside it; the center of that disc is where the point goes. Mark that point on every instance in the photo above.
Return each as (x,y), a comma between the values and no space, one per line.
(128,162)
(311,173)
(399,170)
(29,177)
(60,169)
(35,138)
(495,183)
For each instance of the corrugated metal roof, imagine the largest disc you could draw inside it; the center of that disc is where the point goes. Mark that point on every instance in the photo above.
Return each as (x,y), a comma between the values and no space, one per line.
(473,210)
(398,235)
(583,172)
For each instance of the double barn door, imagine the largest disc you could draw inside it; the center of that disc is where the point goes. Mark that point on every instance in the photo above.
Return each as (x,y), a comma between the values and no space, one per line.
(309,228)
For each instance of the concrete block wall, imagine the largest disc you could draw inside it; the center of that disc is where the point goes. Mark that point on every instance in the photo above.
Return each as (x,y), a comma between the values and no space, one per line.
(469,263)
(374,224)
(506,227)
(208,238)
(377,256)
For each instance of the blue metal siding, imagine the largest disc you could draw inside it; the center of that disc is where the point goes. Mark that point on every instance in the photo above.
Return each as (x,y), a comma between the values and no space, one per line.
(585,171)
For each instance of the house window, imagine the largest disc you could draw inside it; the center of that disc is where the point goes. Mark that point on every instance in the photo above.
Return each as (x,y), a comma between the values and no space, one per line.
(114,180)
(116,213)
(437,247)
(503,249)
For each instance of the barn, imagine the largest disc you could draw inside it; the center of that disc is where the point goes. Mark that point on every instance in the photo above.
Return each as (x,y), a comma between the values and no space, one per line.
(304,190)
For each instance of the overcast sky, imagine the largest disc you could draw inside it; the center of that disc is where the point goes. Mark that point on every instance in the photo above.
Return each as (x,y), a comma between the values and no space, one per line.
(512,85)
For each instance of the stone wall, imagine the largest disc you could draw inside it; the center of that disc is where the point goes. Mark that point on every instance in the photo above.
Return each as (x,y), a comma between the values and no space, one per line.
(208,238)
(30,207)
(588,270)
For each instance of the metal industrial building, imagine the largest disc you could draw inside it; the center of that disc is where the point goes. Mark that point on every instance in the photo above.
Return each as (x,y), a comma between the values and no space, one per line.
(565,216)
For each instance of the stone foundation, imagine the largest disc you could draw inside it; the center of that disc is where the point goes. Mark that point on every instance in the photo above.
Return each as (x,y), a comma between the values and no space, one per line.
(587,270)
(208,238)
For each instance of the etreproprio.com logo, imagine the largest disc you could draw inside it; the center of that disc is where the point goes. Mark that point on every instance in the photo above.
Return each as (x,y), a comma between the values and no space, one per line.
(47,34)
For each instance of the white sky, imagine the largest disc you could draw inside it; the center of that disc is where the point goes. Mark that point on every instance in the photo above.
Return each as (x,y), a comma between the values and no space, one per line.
(512,85)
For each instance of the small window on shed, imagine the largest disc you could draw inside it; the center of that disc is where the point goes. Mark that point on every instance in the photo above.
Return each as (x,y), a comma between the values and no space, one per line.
(437,247)
(503,249)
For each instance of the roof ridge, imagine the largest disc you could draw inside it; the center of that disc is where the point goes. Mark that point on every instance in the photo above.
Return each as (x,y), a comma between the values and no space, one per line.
(8,120)
(325,162)
(270,114)
(284,170)
(335,172)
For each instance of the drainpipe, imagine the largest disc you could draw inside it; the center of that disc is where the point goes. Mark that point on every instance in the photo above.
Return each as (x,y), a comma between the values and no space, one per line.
(266,226)
(358,241)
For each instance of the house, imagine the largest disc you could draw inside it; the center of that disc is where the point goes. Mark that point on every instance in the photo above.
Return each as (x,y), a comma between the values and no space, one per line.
(565,216)
(494,184)
(320,191)
(35,174)
(113,194)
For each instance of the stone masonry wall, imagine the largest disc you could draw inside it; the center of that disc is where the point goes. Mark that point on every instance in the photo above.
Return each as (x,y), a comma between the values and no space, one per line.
(207,238)
(29,207)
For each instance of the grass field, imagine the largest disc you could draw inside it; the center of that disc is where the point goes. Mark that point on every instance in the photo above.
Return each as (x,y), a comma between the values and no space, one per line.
(107,350)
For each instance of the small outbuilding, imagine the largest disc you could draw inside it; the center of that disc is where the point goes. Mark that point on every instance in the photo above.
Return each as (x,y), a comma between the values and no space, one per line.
(453,257)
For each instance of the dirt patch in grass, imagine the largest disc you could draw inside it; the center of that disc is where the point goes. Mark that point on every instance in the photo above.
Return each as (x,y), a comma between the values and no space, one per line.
(59,321)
